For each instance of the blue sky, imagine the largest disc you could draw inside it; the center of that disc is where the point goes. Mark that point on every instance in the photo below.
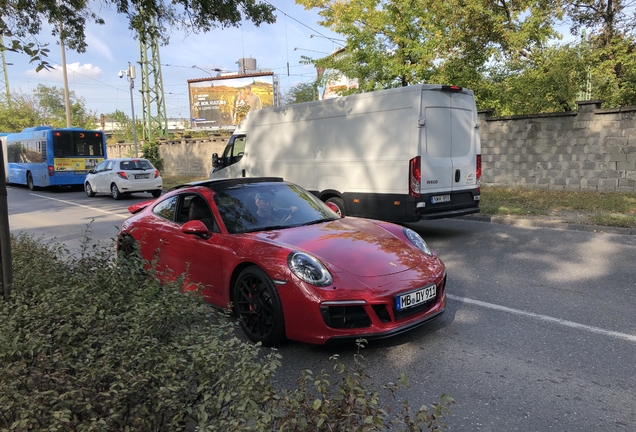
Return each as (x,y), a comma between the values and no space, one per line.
(93,75)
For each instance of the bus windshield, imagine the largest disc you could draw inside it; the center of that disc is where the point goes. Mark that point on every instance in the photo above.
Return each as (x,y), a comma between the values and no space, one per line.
(77,143)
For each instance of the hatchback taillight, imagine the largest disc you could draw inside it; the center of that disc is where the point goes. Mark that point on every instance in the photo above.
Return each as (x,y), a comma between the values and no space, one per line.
(415,177)
(156,173)
(122,175)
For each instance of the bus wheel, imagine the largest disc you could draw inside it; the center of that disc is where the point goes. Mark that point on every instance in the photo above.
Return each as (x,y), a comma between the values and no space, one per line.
(30,182)
(114,191)
(338,203)
(89,190)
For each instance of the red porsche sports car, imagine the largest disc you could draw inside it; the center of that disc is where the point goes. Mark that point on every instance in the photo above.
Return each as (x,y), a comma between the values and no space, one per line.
(286,263)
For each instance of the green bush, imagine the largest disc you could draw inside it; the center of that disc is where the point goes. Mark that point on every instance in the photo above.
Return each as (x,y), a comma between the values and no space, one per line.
(91,342)
(150,151)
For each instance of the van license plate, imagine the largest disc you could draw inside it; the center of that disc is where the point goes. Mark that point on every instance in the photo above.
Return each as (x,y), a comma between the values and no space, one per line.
(142,176)
(415,298)
(440,199)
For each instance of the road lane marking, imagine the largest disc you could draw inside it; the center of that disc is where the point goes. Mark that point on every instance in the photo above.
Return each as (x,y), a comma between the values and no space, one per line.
(81,205)
(545,318)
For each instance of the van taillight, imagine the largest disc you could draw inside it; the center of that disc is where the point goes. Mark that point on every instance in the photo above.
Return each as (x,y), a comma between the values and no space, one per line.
(478,168)
(51,171)
(415,177)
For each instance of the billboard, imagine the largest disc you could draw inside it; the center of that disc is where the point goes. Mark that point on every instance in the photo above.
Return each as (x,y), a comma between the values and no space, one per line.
(224,101)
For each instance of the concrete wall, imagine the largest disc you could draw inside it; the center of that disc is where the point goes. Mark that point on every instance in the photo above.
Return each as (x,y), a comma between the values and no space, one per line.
(183,157)
(592,149)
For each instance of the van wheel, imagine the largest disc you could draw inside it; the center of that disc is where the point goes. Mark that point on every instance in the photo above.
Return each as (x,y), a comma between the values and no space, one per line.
(338,202)
(30,182)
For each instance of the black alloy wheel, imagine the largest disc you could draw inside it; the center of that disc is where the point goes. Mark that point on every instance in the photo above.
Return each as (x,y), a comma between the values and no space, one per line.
(258,307)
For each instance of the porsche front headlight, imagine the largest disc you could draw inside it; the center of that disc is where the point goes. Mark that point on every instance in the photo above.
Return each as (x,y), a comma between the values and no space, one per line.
(417,241)
(309,269)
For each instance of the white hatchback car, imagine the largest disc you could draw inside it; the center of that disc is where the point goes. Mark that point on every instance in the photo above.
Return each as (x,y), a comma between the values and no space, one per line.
(123,176)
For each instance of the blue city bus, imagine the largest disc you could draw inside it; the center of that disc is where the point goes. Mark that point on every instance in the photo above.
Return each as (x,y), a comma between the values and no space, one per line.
(43,156)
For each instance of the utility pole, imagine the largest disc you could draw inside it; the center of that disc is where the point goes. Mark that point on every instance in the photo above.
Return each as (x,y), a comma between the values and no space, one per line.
(155,119)
(6,269)
(5,93)
(67,102)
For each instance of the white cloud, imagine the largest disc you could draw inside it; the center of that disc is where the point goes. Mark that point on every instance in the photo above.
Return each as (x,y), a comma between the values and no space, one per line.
(75,71)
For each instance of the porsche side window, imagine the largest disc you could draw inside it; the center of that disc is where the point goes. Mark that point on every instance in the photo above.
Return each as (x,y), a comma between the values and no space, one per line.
(166,208)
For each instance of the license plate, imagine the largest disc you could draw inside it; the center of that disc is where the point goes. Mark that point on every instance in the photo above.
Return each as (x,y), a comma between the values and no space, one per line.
(440,199)
(415,298)
(142,176)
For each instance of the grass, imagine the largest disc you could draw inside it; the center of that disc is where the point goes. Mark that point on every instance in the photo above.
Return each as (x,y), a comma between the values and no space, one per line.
(596,208)
(170,182)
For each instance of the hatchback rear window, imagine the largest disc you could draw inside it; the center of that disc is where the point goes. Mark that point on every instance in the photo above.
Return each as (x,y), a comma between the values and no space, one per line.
(137,164)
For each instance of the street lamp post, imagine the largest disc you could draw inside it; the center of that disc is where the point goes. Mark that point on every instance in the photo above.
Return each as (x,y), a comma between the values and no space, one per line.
(130,75)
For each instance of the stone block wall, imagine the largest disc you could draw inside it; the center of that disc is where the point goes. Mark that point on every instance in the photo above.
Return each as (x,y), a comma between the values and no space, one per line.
(591,149)
(182,157)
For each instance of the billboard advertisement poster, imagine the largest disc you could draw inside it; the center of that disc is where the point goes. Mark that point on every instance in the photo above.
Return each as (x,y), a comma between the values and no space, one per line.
(224,101)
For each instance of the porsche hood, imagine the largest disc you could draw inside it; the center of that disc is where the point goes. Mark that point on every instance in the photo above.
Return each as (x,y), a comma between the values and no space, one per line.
(357,246)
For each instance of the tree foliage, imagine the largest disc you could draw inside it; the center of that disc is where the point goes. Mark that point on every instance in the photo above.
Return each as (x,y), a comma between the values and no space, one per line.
(44,106)
(302,92)
(90,342)
(503,50)
(400,42)
(149,19)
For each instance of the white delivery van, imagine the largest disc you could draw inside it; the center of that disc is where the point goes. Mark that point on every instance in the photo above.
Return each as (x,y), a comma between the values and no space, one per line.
(400,155)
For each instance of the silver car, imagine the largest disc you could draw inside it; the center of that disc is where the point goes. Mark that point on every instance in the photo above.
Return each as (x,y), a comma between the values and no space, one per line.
(123,176)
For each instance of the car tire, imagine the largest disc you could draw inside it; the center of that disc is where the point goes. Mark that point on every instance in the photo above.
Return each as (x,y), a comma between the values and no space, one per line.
(89,190)
(114,192)
(338,202)
(258,307)
(30,183)
(156,193)
(127,246)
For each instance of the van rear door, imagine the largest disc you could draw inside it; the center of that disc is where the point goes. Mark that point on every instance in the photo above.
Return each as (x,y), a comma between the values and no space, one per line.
(448,140)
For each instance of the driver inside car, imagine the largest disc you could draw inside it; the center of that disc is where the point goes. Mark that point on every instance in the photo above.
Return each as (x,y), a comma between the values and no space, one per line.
(266,211)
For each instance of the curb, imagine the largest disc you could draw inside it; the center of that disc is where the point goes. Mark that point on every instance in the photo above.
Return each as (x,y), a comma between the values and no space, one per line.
(546,223)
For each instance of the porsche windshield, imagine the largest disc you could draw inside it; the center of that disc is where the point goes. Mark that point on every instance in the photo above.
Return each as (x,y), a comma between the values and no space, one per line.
(266,206)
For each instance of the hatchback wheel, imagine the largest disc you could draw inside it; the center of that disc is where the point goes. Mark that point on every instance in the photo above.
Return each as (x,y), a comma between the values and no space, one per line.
(156,193)
(89,190)
(114,191)
(258,307)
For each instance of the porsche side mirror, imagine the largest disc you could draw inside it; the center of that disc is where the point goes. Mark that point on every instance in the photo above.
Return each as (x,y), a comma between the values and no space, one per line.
(196,227)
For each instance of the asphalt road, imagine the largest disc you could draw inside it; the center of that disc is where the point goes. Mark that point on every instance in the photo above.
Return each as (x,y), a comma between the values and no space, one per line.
(539,333)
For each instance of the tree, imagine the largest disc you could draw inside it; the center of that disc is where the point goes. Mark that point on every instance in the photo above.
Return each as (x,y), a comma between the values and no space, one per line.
(45,106)
(401,42)
(302,92)
(122,132)
(22,19)
(52,108)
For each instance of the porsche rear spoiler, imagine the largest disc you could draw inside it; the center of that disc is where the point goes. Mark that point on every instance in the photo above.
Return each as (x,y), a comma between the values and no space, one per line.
(136,208)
